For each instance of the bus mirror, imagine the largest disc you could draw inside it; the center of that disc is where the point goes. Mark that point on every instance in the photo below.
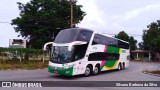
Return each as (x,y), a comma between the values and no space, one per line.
(75,43)
(70,47)
(45,45)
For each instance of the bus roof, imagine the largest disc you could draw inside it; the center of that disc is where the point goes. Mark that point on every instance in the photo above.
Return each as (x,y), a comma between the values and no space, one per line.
(80,29)
(84,29)
(73,34)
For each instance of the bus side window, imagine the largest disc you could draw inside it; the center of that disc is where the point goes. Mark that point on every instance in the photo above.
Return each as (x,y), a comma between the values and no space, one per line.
(103,56)
(79,51)
(95,40)
(104,40)
(84,36)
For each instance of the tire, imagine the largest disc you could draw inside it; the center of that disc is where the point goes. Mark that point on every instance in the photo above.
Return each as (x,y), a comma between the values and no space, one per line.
(96,70)
(87,71)
(119,67)
(123,66)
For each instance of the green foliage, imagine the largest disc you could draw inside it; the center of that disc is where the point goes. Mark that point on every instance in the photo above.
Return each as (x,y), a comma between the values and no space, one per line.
(21,50)
(133,43)
(140,44)
(124,36)
(151,37)
(21,54)
(40,20)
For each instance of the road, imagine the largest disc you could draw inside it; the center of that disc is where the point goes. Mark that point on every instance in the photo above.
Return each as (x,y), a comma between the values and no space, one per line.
(132,73)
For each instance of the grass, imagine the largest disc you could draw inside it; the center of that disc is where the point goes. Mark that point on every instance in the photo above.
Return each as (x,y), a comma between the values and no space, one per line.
(155,72)
(15,64)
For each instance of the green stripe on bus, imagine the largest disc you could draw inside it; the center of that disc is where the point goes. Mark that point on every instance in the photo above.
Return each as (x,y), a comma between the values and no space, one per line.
(109,64)
(111,49)
(66,72)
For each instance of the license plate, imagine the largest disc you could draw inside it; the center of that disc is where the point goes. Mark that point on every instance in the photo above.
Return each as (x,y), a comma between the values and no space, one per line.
(55,71)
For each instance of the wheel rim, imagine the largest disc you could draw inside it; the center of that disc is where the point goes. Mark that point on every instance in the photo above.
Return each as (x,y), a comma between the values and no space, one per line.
(96,70)
(123,66)
(87,71)
(119,67)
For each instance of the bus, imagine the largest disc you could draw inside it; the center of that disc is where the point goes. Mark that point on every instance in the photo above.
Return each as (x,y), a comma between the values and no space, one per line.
(78,51)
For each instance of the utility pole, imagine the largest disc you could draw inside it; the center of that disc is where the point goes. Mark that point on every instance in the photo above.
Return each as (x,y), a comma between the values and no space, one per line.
(71,1)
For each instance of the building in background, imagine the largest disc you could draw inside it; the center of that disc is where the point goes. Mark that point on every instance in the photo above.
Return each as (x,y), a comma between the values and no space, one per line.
(17,43)
(143,55)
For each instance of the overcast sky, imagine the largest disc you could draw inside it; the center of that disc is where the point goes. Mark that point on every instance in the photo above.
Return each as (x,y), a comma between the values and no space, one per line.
(105,16)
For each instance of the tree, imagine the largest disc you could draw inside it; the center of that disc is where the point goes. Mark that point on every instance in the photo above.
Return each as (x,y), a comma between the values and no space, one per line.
(151,38)
(123,35)
(140,44)
(133,43)
(40,20)
(143,46)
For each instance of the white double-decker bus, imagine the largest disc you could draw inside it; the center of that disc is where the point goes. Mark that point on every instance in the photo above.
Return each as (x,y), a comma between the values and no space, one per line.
(78,51)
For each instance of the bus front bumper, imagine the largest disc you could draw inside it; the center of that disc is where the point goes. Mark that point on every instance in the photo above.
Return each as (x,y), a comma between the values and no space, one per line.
(66,72)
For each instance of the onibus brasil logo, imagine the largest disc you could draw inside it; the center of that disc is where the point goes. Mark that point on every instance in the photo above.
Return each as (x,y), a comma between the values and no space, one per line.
(21,84)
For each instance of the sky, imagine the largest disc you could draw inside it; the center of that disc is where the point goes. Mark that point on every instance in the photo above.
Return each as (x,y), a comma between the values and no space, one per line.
(104,16)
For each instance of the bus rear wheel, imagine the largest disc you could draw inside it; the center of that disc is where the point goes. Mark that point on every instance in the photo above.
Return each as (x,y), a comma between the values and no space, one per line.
(96,70)
(123,66)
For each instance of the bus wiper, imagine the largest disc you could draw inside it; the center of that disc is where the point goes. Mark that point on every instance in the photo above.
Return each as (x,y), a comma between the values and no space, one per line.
(66,57)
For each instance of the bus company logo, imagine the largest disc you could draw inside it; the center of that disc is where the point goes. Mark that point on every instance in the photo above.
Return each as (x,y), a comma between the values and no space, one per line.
(6,84)
(21,84)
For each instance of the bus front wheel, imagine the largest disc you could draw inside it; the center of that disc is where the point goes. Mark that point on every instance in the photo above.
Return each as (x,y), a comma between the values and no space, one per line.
(87,71)
(119,66)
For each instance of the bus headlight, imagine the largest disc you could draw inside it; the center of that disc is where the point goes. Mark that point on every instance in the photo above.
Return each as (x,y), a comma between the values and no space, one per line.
(68,66)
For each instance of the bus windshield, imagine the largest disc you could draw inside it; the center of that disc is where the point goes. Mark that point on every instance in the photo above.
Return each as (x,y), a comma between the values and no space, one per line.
(60,54)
